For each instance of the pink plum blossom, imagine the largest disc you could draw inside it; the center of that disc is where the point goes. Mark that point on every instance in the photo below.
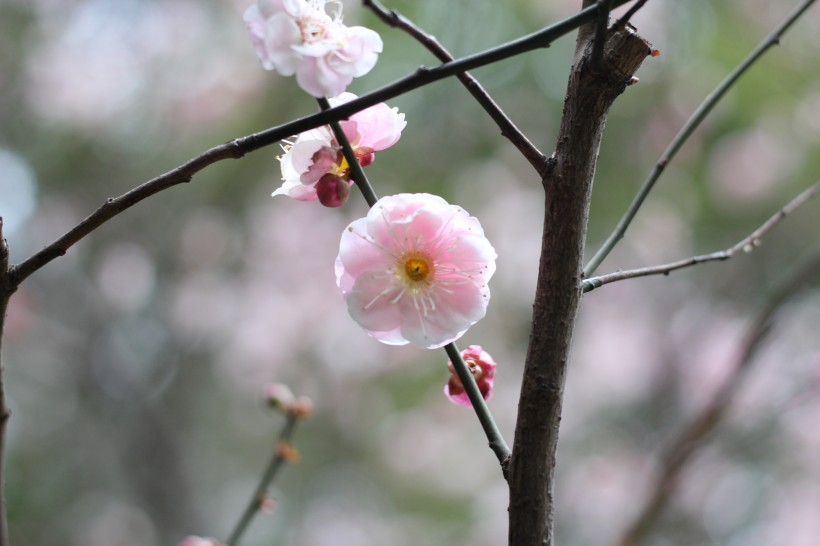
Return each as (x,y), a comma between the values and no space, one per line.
(300,37)
(415,270)
(481,365)
(313,167)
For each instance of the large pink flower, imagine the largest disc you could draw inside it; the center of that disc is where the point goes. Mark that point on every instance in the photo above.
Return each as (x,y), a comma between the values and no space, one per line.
(300,37)
(481,365)
(314,159)
(415,270)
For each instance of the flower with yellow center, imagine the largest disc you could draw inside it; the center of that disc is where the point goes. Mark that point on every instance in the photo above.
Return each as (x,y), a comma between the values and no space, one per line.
(415,270)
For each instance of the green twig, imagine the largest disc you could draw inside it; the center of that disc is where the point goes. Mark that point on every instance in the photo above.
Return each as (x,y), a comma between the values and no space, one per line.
(700,114)
(356,171)
(497,443)
(258,497)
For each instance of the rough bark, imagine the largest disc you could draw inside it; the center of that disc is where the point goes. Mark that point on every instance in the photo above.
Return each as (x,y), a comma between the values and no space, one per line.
(567,180)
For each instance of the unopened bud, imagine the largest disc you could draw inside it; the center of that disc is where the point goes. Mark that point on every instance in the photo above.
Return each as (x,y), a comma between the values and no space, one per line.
(332,190)
(279,396)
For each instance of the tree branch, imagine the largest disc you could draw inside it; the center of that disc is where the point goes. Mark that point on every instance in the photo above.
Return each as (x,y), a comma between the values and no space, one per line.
(700,114)
(696,433)
(508,128)
(630,12)
(243,145)
(281,453)
(747,244)
(567,182)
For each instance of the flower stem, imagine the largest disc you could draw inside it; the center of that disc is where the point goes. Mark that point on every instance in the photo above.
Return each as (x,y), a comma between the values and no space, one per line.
(356,171)
(276,462)
(497,443)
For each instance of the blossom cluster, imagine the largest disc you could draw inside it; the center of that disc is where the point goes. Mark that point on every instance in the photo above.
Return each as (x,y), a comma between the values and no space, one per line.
(300,37)
(314,168)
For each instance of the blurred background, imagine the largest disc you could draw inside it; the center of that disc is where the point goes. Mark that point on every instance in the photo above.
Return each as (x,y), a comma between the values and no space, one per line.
(134,364)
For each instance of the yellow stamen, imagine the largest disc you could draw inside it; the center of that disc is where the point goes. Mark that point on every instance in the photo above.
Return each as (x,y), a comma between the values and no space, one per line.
(417,269)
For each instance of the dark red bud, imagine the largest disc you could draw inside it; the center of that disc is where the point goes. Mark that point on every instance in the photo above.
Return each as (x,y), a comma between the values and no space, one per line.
(332,190)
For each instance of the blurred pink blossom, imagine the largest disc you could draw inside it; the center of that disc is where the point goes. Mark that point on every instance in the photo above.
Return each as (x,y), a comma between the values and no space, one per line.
(313,167)
(481,365)
(415,270)
(199,541)
(300,37)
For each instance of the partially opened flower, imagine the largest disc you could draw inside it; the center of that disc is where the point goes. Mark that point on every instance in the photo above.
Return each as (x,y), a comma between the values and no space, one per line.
(481,365)
(314,168)
(415,270)
(300,37)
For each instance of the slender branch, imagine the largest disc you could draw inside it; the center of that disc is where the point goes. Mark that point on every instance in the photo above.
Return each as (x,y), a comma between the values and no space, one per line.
(6,290)
(747,244)
(604,7)
(697,432)
(508,128)
(630,12)
(568,184)
(497,443)
(356,171)
(278,459)
(700,114)
(243,145)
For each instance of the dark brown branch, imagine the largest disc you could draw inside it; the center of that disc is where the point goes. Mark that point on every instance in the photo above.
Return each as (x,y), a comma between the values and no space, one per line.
(508,128)
(747,244)
(241,146)
(567,182)
(697,432)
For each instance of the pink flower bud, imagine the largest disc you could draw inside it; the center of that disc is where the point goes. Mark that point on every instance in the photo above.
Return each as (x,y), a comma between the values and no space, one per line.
(332,190)
(481,365)
(278,396)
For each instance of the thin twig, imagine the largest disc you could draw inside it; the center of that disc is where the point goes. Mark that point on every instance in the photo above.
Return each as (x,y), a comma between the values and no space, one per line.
(278,459)
(508,128)
(628,15)
(696,433)
(6,290)
(243,145)
(604,7)
(747,244)
(496,440)
(700,114)
(485,417)
(356,171)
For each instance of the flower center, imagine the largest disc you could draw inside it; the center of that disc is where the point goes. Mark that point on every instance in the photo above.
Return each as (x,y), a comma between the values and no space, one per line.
(417,269)
(474,368)
(313,29)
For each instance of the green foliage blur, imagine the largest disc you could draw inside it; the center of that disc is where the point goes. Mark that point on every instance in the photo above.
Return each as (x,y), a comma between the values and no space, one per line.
(135,364)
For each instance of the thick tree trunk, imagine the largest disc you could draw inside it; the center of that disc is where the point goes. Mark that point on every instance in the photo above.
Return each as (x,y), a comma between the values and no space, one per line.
(567,180)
